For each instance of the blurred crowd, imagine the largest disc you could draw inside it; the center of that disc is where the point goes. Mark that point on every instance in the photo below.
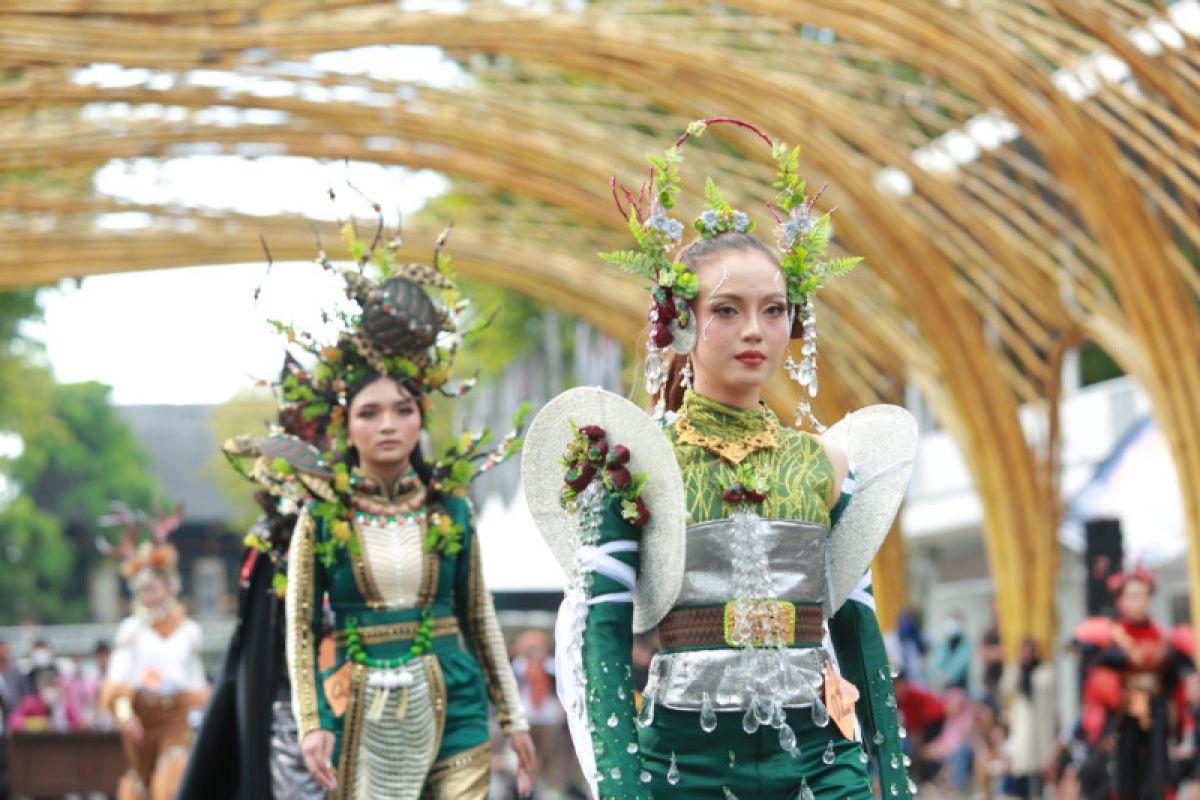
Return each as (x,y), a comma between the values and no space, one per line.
(41,690)
(976,727)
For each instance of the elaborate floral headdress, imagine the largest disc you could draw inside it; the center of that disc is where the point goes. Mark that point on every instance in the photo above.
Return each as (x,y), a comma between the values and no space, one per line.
(802,237)
(153,554)
(409,325)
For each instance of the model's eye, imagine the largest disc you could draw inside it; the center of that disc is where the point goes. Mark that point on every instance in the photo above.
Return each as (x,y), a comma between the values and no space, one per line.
(724,311)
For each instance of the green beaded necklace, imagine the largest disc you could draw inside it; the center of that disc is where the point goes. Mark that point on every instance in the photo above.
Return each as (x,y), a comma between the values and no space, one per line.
(422,642)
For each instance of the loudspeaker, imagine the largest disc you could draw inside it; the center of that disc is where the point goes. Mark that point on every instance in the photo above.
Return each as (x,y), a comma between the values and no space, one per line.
(1103,557)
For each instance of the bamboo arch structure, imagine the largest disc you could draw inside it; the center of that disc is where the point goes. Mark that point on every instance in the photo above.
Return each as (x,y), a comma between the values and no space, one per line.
(1020,175)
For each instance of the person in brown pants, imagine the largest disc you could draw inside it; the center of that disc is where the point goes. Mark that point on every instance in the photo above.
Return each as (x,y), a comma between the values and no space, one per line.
(155,678)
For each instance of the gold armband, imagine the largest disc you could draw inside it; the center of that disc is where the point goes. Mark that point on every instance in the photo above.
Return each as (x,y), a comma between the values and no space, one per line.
(122,710)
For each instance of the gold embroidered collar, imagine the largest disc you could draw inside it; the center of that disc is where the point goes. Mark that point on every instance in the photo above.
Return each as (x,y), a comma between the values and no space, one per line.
(737,432)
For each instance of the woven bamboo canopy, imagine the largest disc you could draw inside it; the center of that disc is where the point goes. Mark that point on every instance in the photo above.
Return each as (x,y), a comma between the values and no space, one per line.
(1020,176)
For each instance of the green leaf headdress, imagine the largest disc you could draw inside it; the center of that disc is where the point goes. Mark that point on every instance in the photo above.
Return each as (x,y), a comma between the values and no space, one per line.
(408,325)
(802,236)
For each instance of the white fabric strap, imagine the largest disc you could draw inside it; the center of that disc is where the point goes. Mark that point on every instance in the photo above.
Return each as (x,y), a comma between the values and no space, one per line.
(861,595)
(600,560)
(615,597)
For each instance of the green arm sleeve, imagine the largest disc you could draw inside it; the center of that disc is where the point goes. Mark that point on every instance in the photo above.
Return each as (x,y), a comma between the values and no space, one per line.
(607,644)
(863,660)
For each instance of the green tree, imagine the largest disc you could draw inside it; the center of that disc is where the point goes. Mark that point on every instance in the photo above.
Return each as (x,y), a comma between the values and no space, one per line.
(249,411)
(77,458)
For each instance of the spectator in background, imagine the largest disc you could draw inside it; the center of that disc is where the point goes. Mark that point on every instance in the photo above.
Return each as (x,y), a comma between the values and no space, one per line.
(991,654)
(923,714)
(1028,691)
(47,708)
(13,685)
(954,746)
(951,665)
(913,647)
(533,665)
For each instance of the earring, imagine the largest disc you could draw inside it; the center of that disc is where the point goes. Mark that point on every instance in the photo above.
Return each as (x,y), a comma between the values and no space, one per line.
(685,374)
(804,373)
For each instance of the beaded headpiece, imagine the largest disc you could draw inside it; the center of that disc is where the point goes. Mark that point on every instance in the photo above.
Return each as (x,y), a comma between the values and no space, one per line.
(801,235)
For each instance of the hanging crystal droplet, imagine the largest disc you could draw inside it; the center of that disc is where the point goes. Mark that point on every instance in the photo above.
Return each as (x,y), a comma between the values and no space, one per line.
(814,385)
(806,792)
(729,795)
(883,673)
(907,761)
(895,761)
(890,701)
(787,740)
(646,716)
(725,692)
(644,776)
(708,717)
(749,721)
(863,757)
(655,371)
(762,710)
(877,738)
(820,714)
(893,790)
(912,787)
(612,720)
(615,772)
(829,756)
(631,748)
(673,772)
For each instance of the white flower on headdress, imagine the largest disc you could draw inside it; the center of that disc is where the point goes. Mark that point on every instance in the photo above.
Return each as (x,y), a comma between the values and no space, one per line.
(709,219)
(669,230)
(799,225)
(741,221)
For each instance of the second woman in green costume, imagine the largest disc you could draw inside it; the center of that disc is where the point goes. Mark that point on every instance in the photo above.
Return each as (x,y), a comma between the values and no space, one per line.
(772,681)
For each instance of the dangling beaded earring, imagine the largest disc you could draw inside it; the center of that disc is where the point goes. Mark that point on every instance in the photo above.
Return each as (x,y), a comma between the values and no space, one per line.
(804,328)
(685,374)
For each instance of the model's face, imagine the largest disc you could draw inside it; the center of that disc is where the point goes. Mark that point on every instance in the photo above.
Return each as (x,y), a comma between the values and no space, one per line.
(1134,602)
(151,591)
(742,326)
(385,426)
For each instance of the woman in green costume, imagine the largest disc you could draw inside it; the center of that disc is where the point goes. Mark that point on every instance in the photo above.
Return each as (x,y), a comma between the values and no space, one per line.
(386,545)
(772,680)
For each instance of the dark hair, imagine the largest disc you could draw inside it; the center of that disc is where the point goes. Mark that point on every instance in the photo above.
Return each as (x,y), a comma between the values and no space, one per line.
(420,466)
(695,252)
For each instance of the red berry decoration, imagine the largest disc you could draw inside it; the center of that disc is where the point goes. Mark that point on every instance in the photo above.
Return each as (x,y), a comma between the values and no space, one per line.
(592,431)
(618,455)
(578,477)
(620,477)
(660,334)
(598,450)
(643,513)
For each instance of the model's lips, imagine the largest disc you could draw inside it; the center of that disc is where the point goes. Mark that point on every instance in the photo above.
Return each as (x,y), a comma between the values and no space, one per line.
(752,358)
(389,444)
